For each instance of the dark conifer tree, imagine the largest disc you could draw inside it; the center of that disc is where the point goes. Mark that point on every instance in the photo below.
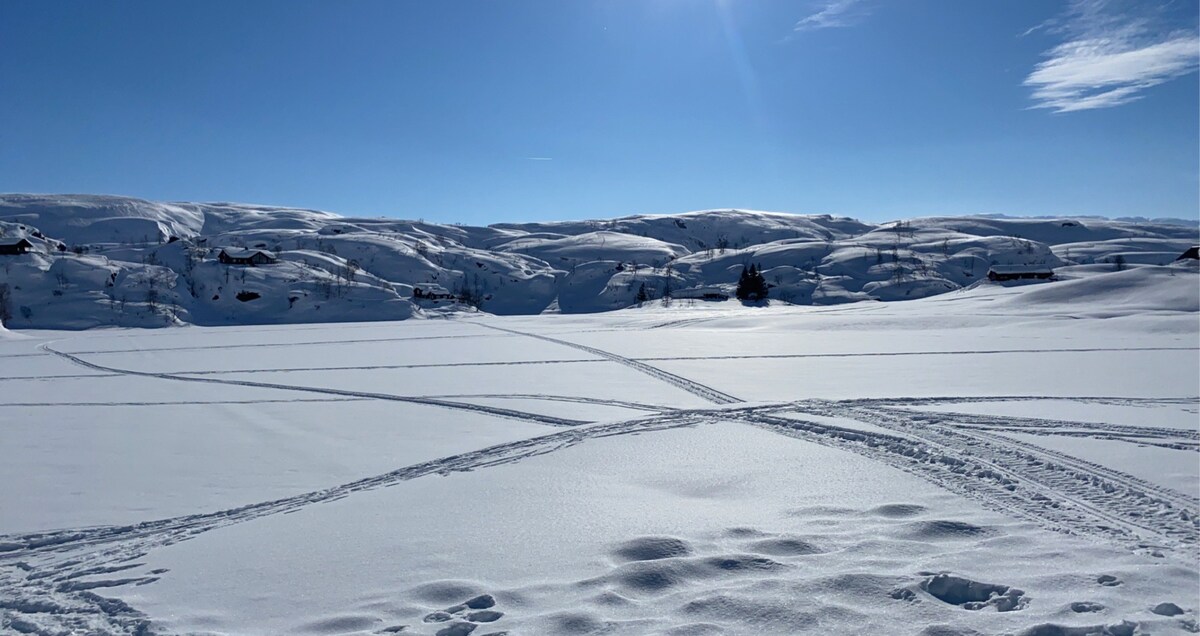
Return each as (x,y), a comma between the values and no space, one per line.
(743,286)
(760,283)
(752,286)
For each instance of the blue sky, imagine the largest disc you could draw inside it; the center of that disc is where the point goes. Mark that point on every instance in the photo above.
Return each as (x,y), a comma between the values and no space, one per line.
(509,110)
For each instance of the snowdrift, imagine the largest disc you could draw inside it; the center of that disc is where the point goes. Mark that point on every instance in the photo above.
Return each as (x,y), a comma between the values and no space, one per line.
(1143,289)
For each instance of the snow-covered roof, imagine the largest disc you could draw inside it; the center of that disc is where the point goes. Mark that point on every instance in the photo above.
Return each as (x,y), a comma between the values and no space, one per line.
(699,291)
(15,240)
(241,253)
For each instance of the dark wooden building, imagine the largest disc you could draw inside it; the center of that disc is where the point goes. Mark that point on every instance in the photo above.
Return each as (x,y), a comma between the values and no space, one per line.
(1020,272)
(700,293)
(433,291)
(1192,253)
(12,246)
(245,257)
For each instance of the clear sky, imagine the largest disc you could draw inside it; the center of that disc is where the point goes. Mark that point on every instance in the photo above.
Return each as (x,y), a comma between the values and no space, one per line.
(508,110)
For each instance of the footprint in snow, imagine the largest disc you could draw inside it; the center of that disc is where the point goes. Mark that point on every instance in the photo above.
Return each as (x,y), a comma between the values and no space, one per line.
(973,595)
(1167,609)
(467,615)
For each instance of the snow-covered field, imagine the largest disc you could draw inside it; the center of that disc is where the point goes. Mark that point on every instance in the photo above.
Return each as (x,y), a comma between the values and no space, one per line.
(996,460)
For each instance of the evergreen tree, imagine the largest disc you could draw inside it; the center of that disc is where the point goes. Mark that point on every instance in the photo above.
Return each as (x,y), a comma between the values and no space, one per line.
(752,286)
(642,296)
(760,283)
(743,287)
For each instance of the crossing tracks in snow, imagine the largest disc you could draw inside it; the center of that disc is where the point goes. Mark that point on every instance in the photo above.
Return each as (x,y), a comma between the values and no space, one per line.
(48,580)
(695,388)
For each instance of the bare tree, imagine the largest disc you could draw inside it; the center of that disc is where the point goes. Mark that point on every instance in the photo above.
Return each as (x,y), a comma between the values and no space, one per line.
(152,295)
(5,304)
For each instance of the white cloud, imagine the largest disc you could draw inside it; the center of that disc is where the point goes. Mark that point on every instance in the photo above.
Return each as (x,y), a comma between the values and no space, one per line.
(1109,58)
(834,13)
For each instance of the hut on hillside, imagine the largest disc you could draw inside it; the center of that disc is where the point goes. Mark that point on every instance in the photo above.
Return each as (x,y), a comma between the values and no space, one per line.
(1020,272)
(433,291)
(14,246)
(231,256)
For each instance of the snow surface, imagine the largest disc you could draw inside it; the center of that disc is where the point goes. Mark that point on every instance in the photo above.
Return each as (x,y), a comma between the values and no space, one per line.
(997,460)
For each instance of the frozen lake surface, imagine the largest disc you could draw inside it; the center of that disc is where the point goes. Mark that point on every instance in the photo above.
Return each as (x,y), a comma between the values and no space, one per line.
(928,467)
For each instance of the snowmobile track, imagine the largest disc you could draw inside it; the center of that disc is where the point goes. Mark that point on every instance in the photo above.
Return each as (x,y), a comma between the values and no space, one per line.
(1071,428)
(1057,492)
(1121,502)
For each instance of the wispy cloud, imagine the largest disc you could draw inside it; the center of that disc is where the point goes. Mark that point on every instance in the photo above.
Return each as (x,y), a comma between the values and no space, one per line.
(1110,56)
(834,13)
(540,158)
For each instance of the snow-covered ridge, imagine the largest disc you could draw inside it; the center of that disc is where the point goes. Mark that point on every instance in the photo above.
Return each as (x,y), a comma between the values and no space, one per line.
(105,260)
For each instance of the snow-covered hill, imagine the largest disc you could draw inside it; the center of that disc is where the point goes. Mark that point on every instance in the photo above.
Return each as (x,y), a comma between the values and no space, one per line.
(103,260)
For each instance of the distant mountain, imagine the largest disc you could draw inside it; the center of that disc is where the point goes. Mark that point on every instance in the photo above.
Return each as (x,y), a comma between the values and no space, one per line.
(105,260)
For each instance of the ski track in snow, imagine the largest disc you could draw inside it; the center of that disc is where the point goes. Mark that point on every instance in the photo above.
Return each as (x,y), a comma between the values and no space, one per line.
(682,322)
(40,569)
(695,388)
(431,365)
(637,406)
(40,572)
(1057,491)
(1148,402)
(463,406)
(69,376)
(185,402)
(1175,438)
(585,360)
(266,345)
(771,356)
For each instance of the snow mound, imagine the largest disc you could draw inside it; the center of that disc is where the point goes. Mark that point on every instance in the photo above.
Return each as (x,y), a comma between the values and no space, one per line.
(1119,293)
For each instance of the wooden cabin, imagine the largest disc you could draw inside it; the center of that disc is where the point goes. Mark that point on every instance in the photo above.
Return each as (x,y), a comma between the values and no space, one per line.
(14,246)
(700,293)
(433,291)
(1192,253)
(231,256)
(1019,272)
